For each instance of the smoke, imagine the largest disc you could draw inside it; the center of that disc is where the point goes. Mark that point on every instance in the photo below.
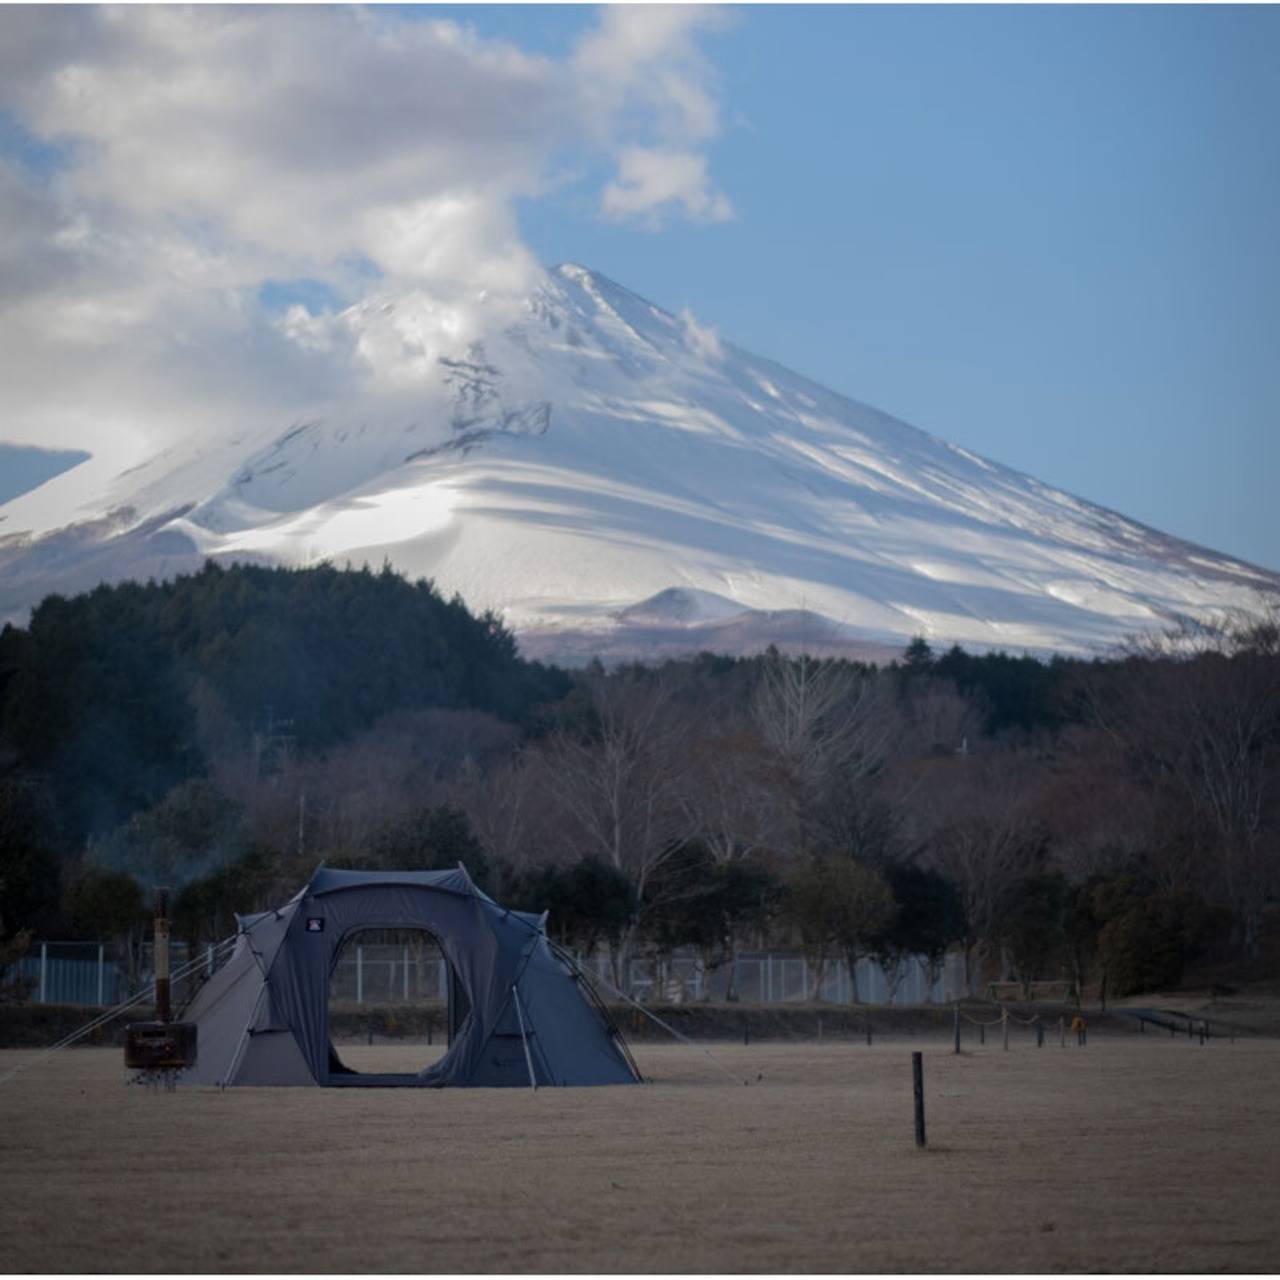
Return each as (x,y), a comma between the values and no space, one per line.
(192,832)
(209,214)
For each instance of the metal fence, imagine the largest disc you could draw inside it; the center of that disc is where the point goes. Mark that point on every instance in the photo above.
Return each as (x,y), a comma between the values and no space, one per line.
(785,978)
(72,973)
(85,973)
(389,973)
(89,973)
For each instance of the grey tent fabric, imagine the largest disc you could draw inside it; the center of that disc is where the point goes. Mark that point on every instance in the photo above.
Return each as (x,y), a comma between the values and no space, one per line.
(263,1019)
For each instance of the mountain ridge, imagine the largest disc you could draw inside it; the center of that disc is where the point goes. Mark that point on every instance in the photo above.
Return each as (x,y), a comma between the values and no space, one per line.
(596,452)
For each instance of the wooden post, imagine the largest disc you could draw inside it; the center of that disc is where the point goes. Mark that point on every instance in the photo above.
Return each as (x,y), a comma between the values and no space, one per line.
(917,1083)
(1004,1026)
(957,1011)
(1039,1033)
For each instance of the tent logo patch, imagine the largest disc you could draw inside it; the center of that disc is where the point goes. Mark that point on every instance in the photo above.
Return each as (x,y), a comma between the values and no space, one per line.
(315,924)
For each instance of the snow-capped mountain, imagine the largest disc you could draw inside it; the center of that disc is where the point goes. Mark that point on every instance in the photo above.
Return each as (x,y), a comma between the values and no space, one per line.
(615,480)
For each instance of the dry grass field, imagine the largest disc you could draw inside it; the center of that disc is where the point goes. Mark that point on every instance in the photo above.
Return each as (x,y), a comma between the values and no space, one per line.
(1127,1154)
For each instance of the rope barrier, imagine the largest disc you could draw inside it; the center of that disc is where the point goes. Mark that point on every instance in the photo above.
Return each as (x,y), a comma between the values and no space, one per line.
(1035,1020)
(978,1022)
(1026,1022)
(995,1022)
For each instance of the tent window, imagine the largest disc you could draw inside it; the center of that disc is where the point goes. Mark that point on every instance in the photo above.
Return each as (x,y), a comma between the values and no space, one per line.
(392,997)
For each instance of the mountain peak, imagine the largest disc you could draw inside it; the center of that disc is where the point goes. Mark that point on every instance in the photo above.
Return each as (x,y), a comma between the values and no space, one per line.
(602,471)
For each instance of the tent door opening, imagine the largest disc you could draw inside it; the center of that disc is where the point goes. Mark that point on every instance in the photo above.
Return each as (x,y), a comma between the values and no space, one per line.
(390,990)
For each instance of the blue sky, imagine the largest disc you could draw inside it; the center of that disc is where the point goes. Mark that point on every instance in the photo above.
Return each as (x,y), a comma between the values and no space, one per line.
(1050,234)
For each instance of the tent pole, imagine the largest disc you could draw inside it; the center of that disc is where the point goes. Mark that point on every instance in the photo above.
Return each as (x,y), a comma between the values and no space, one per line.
(524,1036)
(244,1036)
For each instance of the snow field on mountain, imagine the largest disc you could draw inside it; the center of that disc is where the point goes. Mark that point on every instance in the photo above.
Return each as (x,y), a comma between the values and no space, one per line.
(579,470)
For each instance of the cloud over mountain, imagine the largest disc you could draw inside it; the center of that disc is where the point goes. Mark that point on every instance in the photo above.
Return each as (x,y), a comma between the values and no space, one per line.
(190,196)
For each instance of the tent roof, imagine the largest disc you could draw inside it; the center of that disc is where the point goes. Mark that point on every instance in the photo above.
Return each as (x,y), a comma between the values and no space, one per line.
(454,880)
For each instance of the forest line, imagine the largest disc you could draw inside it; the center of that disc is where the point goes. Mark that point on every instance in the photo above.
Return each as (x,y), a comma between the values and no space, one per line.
(1105,821)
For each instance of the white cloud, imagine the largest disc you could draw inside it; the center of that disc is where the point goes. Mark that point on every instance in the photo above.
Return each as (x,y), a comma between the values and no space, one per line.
(652,182)
(176,160)
(702,340)
(651,94)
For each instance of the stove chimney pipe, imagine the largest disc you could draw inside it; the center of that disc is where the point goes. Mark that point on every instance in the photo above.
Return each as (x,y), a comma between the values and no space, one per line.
(163,1004)
(162,1048)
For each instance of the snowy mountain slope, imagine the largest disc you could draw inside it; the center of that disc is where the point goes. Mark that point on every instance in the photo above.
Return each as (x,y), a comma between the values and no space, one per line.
(614,479)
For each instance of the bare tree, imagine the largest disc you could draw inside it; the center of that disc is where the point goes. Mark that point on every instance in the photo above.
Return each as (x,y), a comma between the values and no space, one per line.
(828,725)
(510,811)
(1102,820)
(988,836)
(617,779)
(1197,714)
(836,908)
(939,720)
(732,794)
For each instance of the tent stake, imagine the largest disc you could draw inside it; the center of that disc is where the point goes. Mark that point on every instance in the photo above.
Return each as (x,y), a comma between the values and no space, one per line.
(524,1036)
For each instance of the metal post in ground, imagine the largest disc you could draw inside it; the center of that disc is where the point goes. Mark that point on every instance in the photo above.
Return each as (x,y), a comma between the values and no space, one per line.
(957,1021)
(917,1083)
(1004,1026)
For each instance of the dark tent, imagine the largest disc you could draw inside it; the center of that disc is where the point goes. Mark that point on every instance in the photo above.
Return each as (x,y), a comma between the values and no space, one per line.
(520,1014)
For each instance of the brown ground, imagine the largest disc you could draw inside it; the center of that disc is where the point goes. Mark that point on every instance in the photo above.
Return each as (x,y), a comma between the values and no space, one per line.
(1131,1153)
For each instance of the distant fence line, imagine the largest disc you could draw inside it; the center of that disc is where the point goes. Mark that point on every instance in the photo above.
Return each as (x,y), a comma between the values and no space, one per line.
(784,978)
(85,973)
